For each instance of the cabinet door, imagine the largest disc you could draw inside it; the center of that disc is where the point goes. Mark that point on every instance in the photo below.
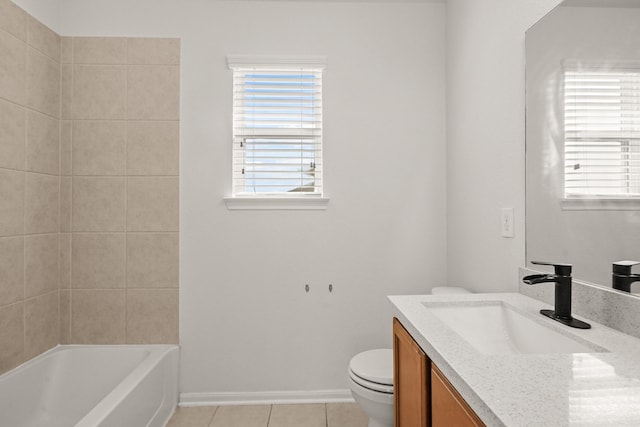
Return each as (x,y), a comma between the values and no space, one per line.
(448,408)
(410,379)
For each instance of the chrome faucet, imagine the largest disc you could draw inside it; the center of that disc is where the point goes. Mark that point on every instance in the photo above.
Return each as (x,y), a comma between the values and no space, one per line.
(621,277)
(562,307)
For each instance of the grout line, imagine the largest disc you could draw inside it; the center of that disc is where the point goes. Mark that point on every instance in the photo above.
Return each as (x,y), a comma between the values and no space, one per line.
(269,417)
(213,415)
(38,296)
(121,176)
(326,415)
(122,119)
(70,108)
(60,219)
(126,185)
(20,301)
(24,220)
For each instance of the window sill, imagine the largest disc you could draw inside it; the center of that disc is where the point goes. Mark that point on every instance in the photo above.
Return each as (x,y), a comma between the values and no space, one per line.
(277,203)
(600,204)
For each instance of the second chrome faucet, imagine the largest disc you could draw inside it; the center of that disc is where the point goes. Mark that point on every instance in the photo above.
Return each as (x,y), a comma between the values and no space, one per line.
(562,306)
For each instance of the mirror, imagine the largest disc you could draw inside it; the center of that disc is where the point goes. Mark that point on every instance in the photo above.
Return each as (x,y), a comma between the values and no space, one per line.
(583,221)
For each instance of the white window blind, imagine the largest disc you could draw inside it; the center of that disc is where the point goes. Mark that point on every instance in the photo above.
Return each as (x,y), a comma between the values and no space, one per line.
(602,133)
(277,130)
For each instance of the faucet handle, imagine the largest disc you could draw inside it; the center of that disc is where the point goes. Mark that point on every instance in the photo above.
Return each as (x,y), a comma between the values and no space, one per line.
(623,267)
(560,269)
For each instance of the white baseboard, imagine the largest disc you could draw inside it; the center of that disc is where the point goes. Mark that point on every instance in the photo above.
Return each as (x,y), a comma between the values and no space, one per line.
(264,397)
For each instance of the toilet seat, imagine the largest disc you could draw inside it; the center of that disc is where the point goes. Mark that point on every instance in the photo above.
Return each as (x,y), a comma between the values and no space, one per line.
(373,370)
(369,385)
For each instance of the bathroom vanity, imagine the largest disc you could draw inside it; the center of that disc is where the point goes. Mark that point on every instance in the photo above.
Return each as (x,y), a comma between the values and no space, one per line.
(423,396)
(492,359)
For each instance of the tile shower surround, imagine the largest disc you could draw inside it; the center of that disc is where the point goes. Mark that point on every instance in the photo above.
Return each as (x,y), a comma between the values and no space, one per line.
(119,190)
(89,140)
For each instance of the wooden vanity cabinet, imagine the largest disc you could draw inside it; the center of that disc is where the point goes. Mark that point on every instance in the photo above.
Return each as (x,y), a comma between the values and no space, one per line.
(423,397)
(448,408)
(411,380)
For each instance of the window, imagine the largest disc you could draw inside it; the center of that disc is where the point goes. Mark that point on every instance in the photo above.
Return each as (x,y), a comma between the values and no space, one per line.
(602,133)
(277,127)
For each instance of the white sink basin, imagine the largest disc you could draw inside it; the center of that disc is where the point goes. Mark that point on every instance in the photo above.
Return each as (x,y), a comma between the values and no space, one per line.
(497,328)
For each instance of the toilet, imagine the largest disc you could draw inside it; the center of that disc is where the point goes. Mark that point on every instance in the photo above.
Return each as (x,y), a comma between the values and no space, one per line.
(371,377)
(371,383)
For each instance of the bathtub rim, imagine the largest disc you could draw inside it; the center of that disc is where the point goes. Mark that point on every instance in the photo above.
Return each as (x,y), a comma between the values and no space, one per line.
(98,413)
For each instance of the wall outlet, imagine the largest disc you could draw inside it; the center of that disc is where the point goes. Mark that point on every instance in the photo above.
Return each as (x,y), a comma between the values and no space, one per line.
(506,222)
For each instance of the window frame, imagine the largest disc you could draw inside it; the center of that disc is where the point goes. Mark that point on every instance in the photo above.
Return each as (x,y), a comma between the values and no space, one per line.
(300,200)
(595,201)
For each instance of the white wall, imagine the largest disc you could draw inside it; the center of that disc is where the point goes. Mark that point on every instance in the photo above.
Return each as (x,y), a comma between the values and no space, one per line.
(485,138)
(246,323)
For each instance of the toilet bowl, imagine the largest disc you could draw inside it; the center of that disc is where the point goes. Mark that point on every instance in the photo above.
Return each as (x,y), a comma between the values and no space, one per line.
(371,383)
(371,377)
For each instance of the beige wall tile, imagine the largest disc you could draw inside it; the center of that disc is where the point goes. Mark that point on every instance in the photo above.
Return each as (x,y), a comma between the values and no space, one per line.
(99,92)
(153,92)
(65,204)
(66,50)
(152,260)
(99,147)
(153,148)
(43,143)
(13,69)
(192,417)
(241,416)
(311,415)
(148,51)
(11,270)
(13,19)
(98,203)
(98,316)
(152,204)
(65,260)
(65,317)
(43,82)
(41,264)
(98,261)
(13,122)
(66,128)
(66,91)
(41,324)
(99,50)
(152,316)
(40,37)
(11,202)
(11,336)
(346,415)
(41,203)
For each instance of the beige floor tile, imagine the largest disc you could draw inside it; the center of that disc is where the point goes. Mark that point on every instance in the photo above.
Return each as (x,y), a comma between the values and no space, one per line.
(345,415)
(241,416)
(192,417)
(308,415)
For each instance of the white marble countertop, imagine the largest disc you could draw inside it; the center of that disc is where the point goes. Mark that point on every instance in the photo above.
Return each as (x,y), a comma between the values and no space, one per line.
(580,389)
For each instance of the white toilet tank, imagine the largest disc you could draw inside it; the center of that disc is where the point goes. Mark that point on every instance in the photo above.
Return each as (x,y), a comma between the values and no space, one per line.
(448,290)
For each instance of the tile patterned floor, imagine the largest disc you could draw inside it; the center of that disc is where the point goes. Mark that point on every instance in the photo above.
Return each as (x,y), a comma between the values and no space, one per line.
(307,415)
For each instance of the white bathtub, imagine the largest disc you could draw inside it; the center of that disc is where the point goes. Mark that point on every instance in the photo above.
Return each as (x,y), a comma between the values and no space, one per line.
(90,386)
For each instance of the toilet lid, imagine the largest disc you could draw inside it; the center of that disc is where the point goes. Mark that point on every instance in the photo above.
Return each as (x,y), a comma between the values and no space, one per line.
(374,365)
